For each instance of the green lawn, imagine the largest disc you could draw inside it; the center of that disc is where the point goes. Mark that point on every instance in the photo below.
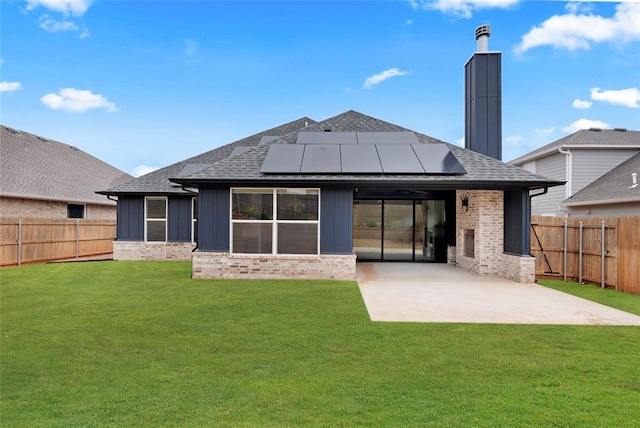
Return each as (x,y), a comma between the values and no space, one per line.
(142,344)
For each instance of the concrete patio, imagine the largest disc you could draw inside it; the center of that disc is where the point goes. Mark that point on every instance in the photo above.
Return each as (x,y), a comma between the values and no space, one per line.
(419,292)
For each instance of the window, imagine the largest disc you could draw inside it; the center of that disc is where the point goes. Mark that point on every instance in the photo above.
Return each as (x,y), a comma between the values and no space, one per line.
(194,220)
(75,211)
(155,214)
(275,221)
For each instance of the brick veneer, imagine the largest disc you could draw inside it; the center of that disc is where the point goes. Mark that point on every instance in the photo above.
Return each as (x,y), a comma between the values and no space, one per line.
(485,216)
(224,265)
(36,208)
(137,250)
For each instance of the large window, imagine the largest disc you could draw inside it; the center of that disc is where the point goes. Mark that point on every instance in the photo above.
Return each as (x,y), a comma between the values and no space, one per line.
(194,219)
(275,221)
(155,216)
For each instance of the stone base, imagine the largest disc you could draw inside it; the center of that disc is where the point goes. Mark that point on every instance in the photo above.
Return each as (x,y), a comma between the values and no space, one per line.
(451,255)
(518,268)
(137,250)
(224,265)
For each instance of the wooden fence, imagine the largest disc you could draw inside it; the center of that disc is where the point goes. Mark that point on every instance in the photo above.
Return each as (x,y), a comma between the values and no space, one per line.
(604,251)
(24,241)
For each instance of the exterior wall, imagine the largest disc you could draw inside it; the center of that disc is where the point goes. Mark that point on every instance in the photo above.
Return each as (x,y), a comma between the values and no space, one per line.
(130,218)
(137,250)
(485,216)
(589,165)
(223,265)
(336,221)
(553,166)
(605,210)
(35,208)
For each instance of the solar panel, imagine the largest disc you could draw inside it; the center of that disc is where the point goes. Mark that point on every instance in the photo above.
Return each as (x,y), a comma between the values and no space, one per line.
(190,168)
(240,150)
(267,139)
(398,159)
(360,159)
(402,137)
(283,159)
(437,159)
(321,158)
(327,138)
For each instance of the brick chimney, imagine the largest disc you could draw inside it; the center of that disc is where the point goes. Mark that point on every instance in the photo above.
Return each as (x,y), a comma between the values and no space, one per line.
(483,98)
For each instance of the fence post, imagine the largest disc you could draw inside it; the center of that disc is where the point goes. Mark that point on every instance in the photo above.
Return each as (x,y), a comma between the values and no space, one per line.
(19,241)
(564,251)
(603,256)
(580,257)
(77,237)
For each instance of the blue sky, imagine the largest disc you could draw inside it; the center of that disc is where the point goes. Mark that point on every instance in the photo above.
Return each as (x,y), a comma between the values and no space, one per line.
(143,84)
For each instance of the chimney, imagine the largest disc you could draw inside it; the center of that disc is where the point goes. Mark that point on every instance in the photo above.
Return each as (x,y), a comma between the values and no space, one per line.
(483,98)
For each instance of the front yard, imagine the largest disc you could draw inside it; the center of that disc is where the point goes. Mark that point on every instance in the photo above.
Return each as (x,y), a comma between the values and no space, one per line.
(142,344)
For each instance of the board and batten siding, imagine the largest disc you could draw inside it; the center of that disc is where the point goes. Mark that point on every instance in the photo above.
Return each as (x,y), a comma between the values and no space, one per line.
(589,165)
(130,218)
(553,166)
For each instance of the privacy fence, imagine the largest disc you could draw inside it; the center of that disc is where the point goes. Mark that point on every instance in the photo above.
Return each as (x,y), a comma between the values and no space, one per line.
(24,241)
(604,251)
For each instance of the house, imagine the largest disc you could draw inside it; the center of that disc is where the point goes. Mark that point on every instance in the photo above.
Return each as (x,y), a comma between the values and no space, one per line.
(578,159)
(307,199)
(40,177)
(616,193)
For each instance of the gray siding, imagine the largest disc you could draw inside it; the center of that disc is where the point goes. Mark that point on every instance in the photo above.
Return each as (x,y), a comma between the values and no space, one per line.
(589,165)
(130,221)
(213,219)
(606,210)
(553,166)
(517,220)
(179,219)
(336,231)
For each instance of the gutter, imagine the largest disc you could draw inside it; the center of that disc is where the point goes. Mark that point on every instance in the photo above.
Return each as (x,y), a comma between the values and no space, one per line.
(568,170)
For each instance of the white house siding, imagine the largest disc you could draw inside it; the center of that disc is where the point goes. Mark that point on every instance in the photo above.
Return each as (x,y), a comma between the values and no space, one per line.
(605,210)
(589,165)
(552,166)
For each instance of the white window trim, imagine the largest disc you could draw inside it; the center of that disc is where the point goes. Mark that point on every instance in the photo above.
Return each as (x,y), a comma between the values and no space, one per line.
(274,222)
(165,219)
(194,221)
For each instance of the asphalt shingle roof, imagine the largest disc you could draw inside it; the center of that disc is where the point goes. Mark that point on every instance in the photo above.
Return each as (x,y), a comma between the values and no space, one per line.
(157,182)
(32,166)
(585,137)
(481,170)
(615,185)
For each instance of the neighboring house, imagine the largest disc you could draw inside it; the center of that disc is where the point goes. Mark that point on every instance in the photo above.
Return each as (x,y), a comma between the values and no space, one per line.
(43,178)
(306,199)
(578,159)
(617,193)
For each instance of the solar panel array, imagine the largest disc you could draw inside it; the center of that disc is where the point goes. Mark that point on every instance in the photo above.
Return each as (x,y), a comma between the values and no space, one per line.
(360,153)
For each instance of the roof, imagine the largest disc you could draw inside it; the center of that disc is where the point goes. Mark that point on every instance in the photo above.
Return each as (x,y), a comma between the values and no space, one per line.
(613,187)
(36,167)
(591,138)
(157,182)
(481,171)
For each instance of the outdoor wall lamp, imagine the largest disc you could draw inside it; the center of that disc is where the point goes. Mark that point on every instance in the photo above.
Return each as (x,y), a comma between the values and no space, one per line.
(465,202)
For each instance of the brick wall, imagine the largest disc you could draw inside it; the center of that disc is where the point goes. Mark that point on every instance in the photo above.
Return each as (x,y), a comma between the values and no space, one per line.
(485,216)
(138,250)
(35,208)
(224,265)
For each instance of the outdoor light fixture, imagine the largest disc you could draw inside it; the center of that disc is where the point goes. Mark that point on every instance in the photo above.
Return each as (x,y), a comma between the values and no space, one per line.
(465,202)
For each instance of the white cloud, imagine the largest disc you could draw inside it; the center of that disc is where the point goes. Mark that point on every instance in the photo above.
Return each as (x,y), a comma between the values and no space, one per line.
(190,47)
(53,26)
(381,77)
(581,104)
(10,86)
(77,101)
(578,31)
(624,97)
(460,141)
(142,170)
(584,124)
(545,132)
(67,7)
(85,33)
(408,22)
(514,140)
(461,8)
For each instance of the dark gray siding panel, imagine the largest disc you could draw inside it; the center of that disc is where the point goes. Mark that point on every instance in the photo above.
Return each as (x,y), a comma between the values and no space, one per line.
(336,231)
(179,218)
(450,217)
(130,222)
(517,222)
(213,219)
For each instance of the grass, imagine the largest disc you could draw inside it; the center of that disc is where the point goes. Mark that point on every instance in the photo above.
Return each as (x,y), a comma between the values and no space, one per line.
(142,344)
(607,297)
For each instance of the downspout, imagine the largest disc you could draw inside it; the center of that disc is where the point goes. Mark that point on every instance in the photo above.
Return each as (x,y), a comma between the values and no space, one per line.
(568,172)
(111,199)
(544,192)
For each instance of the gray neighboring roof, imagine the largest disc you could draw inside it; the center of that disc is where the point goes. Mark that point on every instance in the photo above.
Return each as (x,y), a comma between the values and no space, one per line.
(594,137)
(613,187)
(35,167)
(482,171)
(157,182)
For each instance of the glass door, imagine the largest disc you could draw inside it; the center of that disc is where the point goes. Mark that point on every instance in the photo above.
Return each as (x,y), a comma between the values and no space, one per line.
(367,229)
(397,241)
